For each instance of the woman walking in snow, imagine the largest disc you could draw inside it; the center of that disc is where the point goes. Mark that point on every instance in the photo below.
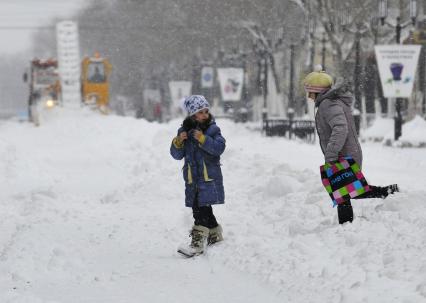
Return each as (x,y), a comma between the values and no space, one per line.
(336,130)
(200,142)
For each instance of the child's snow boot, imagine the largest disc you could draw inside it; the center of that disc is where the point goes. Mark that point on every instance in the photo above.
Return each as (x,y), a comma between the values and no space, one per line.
(199,235)
(215,235)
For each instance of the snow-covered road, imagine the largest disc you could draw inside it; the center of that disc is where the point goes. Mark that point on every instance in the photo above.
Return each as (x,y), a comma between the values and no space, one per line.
(91,210)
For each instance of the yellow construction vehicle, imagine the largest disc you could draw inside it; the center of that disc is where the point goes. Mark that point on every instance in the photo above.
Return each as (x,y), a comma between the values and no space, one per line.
(95,73)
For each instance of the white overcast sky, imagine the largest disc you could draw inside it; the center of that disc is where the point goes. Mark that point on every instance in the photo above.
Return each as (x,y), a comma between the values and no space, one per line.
(15,14)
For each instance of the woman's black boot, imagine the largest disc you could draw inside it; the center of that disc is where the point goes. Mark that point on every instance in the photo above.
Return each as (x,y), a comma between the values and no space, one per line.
(345,212)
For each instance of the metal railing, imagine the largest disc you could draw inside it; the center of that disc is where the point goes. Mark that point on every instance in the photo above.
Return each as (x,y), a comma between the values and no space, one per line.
(303,129)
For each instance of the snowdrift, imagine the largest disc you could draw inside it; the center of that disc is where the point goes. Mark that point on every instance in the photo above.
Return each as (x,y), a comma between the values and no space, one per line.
(92,211)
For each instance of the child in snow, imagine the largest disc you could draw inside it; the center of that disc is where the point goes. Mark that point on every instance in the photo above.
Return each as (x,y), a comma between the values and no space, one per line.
(336,130)
(200,142)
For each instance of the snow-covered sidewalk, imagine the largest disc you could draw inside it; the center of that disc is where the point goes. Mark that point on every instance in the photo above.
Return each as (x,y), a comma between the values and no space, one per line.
(91,210)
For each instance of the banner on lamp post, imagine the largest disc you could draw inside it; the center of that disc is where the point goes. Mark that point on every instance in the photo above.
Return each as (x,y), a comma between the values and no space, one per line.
(231,83)
(397,66)
(179,90)
(207,77)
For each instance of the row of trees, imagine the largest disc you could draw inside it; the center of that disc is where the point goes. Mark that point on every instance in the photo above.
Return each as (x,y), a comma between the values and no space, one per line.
(163,39)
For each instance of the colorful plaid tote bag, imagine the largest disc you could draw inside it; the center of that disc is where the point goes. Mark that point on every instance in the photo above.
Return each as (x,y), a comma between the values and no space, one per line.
(343,180)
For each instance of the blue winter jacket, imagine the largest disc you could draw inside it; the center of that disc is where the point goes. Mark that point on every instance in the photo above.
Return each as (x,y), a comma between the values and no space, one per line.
(201,171)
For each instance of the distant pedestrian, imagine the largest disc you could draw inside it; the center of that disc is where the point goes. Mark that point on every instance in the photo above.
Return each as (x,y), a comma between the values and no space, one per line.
(158,112)
(336,130)
(200,143)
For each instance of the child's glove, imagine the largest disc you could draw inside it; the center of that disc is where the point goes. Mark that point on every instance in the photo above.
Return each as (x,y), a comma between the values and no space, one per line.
(198,135)
(178,141)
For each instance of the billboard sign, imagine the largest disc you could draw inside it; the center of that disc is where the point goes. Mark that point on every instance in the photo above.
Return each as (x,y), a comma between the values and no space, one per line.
(397,66)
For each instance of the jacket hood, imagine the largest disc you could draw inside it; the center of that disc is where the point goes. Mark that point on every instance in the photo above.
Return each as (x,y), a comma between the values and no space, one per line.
(341,90)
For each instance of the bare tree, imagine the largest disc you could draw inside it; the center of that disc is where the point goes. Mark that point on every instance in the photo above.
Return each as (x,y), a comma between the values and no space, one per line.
(343,22)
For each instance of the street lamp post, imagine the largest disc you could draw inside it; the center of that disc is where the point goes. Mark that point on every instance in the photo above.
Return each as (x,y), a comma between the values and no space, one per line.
(383,13)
